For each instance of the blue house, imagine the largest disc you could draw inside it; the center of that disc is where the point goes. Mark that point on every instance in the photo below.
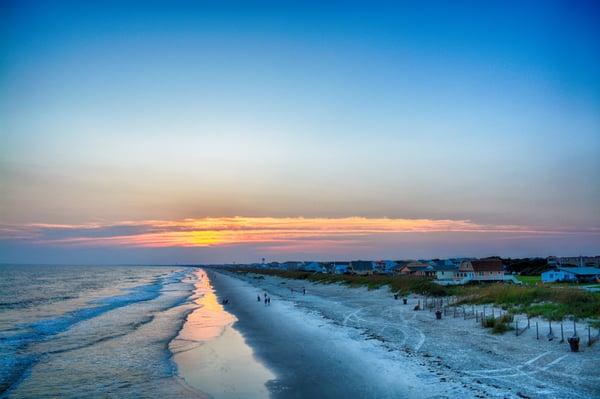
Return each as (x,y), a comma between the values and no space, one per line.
(580,274)
(341,267)
(314,267)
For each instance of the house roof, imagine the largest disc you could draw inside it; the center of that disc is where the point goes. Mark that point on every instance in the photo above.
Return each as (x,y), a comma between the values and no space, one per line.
(345,264)
(418,267)
(444,268)
(487,265)
(417,264)
(361,265)
(584,271)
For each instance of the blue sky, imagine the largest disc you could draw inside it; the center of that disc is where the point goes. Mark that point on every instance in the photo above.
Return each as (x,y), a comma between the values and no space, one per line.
(121,111)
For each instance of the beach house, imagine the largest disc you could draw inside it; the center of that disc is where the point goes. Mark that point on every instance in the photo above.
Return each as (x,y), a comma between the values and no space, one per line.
(417,268)
(445,272)
(580,274)
(316,267)
(361,267)
(488,269)
(341,267)
(291,265)
(384,266)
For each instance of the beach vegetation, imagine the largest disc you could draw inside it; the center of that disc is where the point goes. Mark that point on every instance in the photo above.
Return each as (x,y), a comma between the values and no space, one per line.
(499,325)
(530,280)
(401,284)
(553,302)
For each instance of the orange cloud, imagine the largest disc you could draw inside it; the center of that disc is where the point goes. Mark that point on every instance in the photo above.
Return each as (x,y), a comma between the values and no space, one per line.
(225,231)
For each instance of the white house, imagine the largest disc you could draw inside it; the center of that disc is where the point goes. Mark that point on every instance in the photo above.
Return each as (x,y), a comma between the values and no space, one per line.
(445,272)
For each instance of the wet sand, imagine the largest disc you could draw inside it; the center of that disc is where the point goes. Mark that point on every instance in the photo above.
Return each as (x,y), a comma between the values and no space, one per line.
(314,357)
(212,357)
(337,341)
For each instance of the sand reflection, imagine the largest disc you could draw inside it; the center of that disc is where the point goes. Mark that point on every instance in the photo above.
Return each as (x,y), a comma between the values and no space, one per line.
(212,356)
(209,320)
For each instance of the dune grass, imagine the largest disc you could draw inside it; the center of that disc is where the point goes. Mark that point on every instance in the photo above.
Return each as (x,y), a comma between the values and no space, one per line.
(499,325)
(530,280)
(548,301)
(552,303)
(398,284)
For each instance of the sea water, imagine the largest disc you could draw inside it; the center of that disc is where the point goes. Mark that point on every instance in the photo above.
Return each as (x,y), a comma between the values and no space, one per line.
(91,331)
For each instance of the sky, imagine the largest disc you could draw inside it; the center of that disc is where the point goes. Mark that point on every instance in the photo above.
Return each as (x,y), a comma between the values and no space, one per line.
(209,132)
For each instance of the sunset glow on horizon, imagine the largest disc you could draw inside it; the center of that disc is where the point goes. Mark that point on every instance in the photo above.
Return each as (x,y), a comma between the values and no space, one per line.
(229,231)
(128,132)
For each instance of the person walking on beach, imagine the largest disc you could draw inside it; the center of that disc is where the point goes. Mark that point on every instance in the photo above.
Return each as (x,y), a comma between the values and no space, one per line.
(303,291)
(269,301)
(258,297)
(266,299)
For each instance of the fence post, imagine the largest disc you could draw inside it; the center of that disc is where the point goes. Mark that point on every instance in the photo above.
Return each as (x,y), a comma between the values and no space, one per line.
(589,336)
(537,331)
(516,326)
(562,334)
(574,328)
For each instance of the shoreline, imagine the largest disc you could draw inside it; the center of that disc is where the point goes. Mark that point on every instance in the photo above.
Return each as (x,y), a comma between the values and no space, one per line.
(316,357)
(121,350)
(454,354)
(211,357)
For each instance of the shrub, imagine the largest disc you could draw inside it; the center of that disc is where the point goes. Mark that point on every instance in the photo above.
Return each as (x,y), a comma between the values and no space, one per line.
(500,328)
(488,322)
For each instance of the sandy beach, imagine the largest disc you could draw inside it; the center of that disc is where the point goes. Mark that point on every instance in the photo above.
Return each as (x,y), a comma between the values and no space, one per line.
(317,357)
(337,341)
(212,357)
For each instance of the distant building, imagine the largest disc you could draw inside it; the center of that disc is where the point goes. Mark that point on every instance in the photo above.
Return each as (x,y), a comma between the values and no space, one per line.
(579,261)
(384,266)
(482,270)
(341,267)
(445,272)
(291,265)
(327,266)
(580,274)
(361,267)
(418,268)
(552,261)
(314,267)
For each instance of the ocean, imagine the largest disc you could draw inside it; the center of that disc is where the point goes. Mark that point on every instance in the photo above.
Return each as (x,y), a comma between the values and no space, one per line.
(90,331)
